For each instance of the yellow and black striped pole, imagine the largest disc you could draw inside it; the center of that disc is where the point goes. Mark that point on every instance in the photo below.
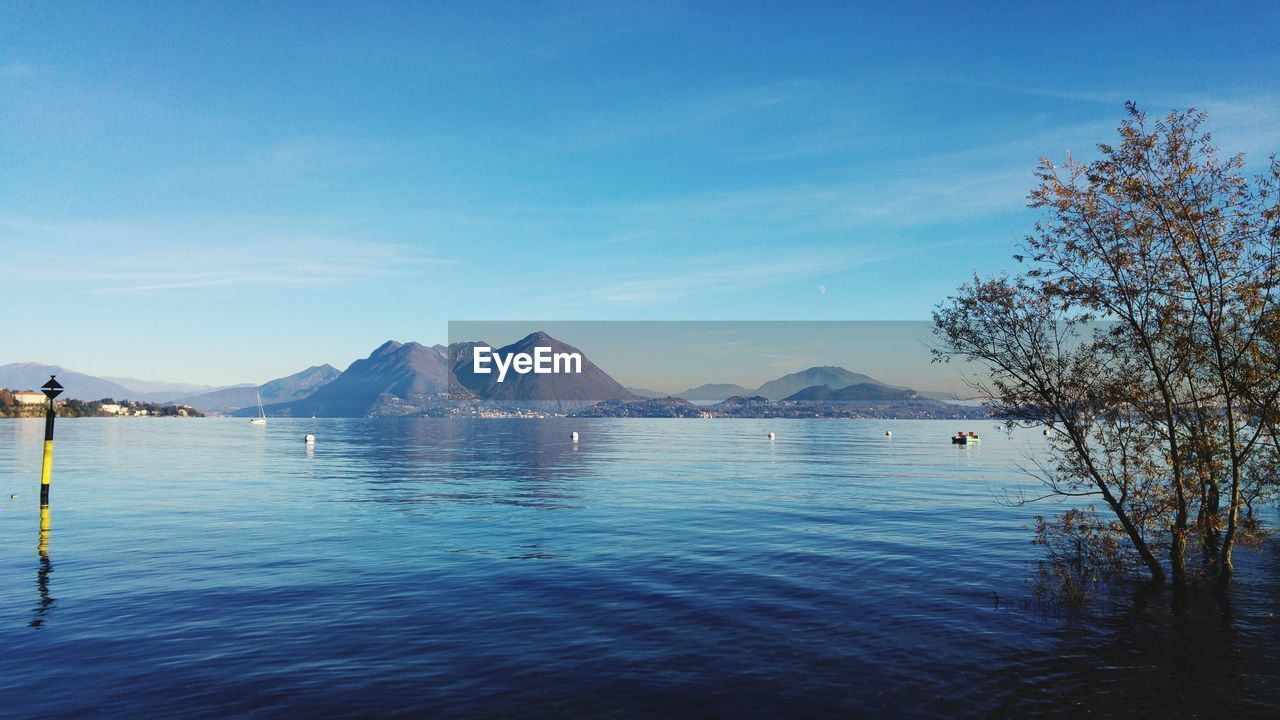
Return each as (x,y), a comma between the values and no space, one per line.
(52,389)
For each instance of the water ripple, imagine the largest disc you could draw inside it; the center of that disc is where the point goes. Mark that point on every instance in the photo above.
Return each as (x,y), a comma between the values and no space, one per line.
(493,568)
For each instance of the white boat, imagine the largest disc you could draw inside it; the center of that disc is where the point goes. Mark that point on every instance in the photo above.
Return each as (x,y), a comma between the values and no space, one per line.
(262,416)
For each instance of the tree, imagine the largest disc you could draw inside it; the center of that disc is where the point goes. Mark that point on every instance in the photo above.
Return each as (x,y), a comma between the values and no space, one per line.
(1144,330)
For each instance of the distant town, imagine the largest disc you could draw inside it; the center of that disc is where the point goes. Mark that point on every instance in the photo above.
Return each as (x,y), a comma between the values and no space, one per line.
(33,403)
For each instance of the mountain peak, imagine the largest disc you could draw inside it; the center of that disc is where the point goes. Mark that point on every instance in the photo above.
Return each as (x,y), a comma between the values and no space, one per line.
(535,338)
(858,392)
(831,375)
(589,385)
(389,346)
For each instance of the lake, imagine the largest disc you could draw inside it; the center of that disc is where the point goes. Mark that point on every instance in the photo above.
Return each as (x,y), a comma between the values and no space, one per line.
(658,568)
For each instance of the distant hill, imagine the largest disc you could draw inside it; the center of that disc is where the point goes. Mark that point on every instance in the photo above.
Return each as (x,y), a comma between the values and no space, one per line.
(297,386)
(30,376)
(562,390)
(852,393)
(647,394)
(79,386)
(394,374)
(738,402)
(831,376)
(154,388)
(713,392)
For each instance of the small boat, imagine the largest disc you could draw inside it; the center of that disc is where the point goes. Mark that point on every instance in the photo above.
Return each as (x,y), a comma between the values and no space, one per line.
(262,416)
(965,440)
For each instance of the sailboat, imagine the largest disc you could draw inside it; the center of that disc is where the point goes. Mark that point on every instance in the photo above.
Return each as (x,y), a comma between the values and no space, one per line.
(262,416)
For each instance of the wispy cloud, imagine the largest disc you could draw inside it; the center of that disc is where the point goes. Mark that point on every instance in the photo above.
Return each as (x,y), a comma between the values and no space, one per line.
(935,190)
(1248,122)
(1249,125)
(107,257)
(15,69)
(676,116)
(720,274)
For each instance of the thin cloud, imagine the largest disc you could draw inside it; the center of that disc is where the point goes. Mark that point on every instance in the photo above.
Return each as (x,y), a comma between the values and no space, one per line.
(680,116)
(16,69)
(110,258)
(722,275)
(1250,122)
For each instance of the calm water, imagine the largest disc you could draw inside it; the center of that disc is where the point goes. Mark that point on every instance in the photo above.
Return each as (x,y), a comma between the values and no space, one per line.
(490,568)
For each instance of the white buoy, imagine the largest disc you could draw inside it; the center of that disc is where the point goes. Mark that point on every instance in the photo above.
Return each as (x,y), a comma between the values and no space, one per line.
(574,436)
(13,497)
(888,433)
(311,439)
(772,436)
(1046,431)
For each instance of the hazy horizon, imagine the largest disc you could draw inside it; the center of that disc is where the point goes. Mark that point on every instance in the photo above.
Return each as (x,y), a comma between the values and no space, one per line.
(673,356)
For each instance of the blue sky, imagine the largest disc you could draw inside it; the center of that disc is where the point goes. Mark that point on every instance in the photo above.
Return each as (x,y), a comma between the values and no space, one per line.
(227,193)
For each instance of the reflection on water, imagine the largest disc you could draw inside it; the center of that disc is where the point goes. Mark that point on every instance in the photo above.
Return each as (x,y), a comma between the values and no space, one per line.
(666,567)
(46,567)
(1157,653)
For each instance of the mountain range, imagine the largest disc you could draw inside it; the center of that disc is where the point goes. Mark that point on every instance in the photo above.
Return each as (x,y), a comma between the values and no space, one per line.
(30,376)
(411,378)
(206,398)
(399,378)
(394,375)
(297,386)
(713,392)
(858,392)
(829,375)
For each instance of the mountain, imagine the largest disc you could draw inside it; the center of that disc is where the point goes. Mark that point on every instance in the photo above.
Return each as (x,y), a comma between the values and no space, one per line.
(30,376)
(834,377)
(713,392)
(407,378)
(394,375)
(852,393)
(152,388)
(458,357)
(647,394)
(293,387)
(562,390)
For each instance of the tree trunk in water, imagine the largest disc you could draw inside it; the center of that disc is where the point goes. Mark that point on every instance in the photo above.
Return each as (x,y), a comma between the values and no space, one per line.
(1210,535)
(1233,517)
(1178,556)
(1144,551)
